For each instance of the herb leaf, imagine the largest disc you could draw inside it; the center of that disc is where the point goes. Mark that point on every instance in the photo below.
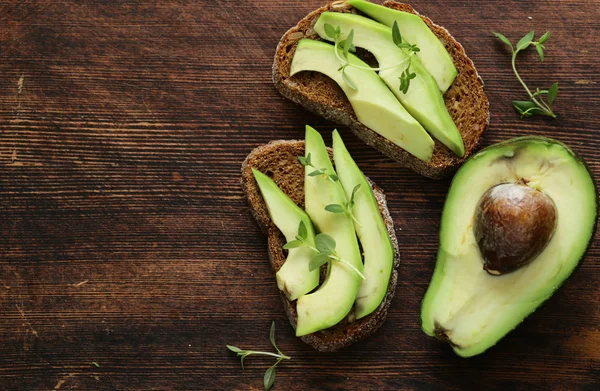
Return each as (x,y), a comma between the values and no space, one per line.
(540,51)
(525,41)
(503,39)
(396,36)
(269,379)
(292,244)
(353,194)
(302,231)
(348,81)
(325,243)
(317,261)
(234,348)
(544,37)
(335,208)
(552,93)
(315,173)
(329,31)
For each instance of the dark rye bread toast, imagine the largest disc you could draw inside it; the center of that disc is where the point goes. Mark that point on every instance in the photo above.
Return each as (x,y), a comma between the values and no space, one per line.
(465,99)
(279,160)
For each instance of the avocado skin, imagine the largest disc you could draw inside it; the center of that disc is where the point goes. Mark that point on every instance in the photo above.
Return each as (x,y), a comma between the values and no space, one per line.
(518,142)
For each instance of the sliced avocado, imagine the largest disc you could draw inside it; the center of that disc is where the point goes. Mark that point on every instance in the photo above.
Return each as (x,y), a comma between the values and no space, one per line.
(376,244)
(423,100)
(293,278)
(333,300)
(374,104)
(472,302)
(433,54)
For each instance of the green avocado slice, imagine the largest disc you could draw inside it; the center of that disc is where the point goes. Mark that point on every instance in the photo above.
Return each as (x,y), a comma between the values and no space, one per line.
(373,103)
(423,100)
(433,54)
(333,300)
(373,235)
(293,278)
(472,309)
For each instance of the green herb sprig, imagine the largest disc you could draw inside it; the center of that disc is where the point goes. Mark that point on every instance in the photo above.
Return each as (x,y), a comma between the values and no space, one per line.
(346,207)
(269,378)
(406,75)
(346,45)
(324,247)
(306,162)
(536,105)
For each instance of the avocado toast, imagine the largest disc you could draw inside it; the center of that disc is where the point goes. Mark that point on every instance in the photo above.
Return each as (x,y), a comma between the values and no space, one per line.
(465,99)
(278,161)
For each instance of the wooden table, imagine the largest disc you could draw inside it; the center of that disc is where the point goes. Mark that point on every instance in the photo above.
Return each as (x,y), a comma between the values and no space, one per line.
(128,256)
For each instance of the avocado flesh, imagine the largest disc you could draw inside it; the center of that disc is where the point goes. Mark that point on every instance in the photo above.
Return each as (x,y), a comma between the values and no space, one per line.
(293,278)
(374,104)
(433,54)
(465,305)
(333,300)
(423,100)
(376,245)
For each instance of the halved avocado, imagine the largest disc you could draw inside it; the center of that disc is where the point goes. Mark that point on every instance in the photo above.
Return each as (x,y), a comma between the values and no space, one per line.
(371,230)
(293,278)
(476,296)
(373,103)
(334,299)
(423,100)
(433,54)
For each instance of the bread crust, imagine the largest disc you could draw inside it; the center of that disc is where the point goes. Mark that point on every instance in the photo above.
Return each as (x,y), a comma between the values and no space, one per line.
(465,99)
(278,159)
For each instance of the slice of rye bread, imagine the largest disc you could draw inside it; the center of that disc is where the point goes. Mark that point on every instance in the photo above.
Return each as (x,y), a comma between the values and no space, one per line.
(279,160)
(465,99)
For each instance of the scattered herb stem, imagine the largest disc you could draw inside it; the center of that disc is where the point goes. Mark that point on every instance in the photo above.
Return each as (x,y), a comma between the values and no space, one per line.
(536,105)
(269,377)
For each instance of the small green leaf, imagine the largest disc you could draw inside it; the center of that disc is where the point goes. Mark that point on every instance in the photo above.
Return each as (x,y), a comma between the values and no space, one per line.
(415,48)
(315,173)
(396,36)
(269,378)
(324,243)
(334,177)
(292,244)
(540,52)
(96,364)
(348,43)
(354,193)
(334,208)
(317,261)
(525,41)
(302,231)
(552,93)
(272,336)
(234,349)
(338,31)
(544,37)
(329,31)
(526,108)
(303,161)
(349,81)
(503,39)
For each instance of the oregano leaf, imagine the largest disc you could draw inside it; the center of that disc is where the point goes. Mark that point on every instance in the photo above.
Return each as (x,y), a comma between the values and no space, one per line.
(540,51)
(325,243)
(334,208)
(525,41)
(396,36)
(544,37)
(302,231)
(349,81)
(292,244)
(329,31)
(317,261)
(552,93)
(269,378)
(503,39)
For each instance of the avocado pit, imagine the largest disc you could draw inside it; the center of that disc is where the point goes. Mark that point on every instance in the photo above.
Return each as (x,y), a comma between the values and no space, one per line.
(513,224)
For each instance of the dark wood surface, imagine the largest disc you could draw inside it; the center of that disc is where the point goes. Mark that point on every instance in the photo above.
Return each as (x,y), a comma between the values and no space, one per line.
(125,239)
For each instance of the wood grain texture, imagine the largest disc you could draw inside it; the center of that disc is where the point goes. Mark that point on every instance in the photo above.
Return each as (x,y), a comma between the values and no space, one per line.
(125,238)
